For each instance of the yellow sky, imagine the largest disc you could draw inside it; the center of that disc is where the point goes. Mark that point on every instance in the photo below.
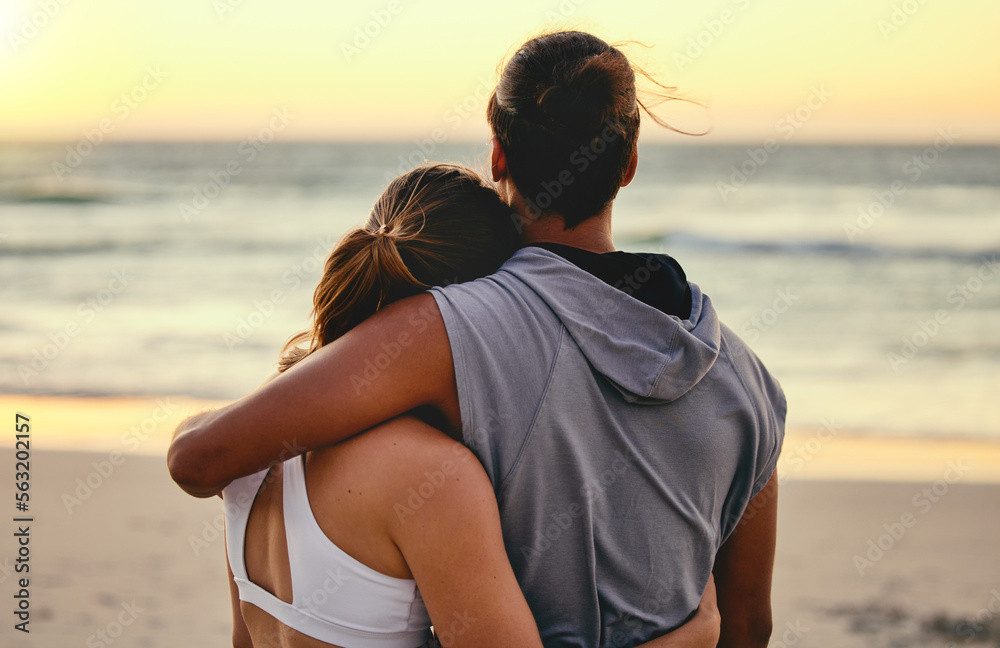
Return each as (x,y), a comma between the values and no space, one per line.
(854,70)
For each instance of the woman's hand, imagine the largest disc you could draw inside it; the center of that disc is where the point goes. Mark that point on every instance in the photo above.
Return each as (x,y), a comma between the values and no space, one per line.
(702,631)
(707,617)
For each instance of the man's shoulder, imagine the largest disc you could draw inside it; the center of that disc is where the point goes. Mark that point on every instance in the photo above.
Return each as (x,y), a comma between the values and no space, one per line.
(760,384)
(751,369)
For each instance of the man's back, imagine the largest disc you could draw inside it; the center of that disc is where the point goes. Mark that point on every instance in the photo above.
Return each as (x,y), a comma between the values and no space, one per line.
(623,443)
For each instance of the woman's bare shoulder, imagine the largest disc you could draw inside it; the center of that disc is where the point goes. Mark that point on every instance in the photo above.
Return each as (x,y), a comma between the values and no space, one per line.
(410,446)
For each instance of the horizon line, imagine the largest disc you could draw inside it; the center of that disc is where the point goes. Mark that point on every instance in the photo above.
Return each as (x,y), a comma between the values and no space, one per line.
(692,140)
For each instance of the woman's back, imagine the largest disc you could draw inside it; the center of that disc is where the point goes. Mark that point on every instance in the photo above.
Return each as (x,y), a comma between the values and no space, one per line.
(318,540)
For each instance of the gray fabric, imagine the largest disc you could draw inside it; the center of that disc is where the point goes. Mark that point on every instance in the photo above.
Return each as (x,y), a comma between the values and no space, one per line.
(623,443)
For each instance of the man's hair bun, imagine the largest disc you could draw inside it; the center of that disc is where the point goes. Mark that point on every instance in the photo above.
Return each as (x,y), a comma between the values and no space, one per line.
(586,93)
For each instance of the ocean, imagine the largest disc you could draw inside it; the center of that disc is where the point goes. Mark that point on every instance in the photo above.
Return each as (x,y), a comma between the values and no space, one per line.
(865,277)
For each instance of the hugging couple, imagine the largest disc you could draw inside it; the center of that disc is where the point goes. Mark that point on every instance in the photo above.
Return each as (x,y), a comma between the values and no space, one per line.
(562,443)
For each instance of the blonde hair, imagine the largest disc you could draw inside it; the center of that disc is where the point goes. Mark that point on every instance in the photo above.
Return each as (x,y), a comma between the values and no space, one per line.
(435,225)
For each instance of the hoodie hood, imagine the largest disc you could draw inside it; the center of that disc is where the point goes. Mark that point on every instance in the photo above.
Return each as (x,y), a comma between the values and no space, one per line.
(649,356)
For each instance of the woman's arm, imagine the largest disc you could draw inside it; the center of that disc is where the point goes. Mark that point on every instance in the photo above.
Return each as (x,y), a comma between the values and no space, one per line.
(395,361)
(453,545)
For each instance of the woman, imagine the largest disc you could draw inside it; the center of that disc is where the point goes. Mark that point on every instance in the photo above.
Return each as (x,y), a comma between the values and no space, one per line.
(368,542)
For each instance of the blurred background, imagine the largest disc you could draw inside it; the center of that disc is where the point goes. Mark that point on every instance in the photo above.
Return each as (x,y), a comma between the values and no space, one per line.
(173,175)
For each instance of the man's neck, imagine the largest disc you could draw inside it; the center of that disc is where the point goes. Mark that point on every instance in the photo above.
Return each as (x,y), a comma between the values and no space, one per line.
(593,235)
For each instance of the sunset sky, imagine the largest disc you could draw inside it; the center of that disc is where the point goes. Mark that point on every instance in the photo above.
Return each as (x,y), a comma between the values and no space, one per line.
(855,70)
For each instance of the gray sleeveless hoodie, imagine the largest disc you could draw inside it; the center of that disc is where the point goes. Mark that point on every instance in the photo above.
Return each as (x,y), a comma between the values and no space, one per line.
(623,443)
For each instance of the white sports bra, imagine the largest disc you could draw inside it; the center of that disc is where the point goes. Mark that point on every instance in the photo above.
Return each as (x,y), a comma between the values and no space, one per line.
(335,598)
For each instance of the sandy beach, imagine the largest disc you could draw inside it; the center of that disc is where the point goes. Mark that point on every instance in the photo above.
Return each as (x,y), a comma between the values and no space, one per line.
(884,542)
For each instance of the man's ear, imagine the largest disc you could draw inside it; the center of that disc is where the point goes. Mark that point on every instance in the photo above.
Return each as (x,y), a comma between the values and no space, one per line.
(498,161)
(633,162)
